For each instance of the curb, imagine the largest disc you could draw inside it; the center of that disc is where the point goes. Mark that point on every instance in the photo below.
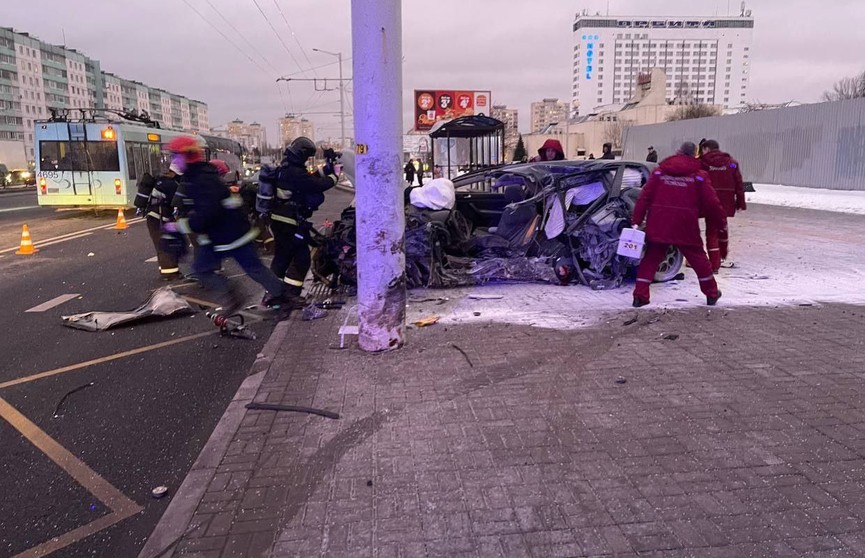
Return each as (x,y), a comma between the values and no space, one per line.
(174,522)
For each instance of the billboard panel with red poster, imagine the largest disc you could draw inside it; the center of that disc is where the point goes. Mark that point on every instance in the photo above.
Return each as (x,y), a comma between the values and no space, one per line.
(433,105)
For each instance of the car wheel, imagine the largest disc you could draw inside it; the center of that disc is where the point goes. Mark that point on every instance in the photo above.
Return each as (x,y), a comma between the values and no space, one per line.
(670,266)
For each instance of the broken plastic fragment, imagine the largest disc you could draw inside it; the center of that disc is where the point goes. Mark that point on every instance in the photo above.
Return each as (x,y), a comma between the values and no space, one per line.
(428,321)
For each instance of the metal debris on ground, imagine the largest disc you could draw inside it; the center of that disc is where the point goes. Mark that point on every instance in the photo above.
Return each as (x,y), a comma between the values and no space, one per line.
(671,336)
(68,393)
(159,492)
(311,312)
(631,321)
(437,300)
(621,380)
(428,321)
(231,326)
(464,354)
(485,296)
(163,302)
(294,408)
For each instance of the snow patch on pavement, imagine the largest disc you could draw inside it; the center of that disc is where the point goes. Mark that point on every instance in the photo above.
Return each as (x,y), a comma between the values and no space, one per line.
(842,201)
(782,258)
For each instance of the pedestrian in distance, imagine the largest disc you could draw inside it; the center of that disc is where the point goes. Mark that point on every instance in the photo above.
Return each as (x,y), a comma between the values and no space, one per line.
(551,150)
(672,201)
(726,178)
(153,200)
(419,172)
(289,195)
(652,157)
(216,216)
(409,172)
(591,156)
(608,151)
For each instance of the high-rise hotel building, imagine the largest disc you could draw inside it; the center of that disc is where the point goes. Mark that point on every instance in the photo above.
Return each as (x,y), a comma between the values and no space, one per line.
(706,60)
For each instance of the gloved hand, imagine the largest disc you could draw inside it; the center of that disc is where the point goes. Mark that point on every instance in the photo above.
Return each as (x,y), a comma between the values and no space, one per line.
(139,212)
(740,203)
(327,169)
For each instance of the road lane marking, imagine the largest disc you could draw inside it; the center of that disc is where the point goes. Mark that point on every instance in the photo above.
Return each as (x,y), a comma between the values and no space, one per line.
(121,507)
(74,235)
(43,244)
(101,360)
(150,260)
(19,208)
(47,305)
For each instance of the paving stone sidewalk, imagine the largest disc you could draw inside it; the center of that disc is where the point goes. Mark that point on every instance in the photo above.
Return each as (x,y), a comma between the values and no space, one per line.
(691,433)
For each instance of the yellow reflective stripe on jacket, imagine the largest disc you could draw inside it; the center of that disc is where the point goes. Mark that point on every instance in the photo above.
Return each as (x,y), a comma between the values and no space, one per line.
(245,239)
(183,225)
(281,219)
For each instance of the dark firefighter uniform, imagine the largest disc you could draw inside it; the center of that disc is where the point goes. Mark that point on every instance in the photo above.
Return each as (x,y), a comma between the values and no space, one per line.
(297,195)
(674,198)
(726,179)
(154,199)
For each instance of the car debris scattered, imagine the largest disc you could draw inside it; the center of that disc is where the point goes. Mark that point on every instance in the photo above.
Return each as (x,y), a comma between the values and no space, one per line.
(163,303)
(428,321)
(292,408)
(68,393)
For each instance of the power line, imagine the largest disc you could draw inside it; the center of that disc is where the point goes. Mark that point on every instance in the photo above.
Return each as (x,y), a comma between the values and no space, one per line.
(242,36)
(290,30)
(278,36)
(226,37)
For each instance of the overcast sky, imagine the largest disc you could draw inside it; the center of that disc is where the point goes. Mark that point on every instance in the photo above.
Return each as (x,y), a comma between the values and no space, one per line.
(518,49)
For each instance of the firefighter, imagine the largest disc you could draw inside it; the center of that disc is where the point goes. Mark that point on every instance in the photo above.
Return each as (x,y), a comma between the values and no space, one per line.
(297,194)
(154,199)
(676,195)
(215,214)
(726,179)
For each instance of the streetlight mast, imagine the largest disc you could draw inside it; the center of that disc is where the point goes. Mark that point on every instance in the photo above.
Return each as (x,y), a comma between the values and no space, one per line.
(341,96)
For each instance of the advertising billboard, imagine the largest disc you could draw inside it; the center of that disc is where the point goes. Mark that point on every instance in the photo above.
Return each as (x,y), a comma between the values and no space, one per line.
(433,105)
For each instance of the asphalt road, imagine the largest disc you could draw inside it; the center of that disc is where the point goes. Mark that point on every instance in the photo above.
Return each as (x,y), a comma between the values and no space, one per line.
(146,416)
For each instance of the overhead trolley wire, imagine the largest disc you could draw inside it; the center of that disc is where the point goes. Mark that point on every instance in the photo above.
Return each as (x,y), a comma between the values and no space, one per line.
(290,30)
(242,36)
(226,37)
(278,36)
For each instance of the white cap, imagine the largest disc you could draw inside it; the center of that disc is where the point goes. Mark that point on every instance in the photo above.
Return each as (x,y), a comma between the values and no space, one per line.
(174,168)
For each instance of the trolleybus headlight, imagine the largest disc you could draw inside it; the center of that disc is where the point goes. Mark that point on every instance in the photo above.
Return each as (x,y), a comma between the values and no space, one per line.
(118,186)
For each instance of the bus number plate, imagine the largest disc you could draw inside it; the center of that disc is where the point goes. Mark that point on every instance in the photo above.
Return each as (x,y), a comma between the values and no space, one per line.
(53,175)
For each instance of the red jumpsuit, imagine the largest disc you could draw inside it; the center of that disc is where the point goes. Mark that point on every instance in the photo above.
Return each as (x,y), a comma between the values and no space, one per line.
(674,198)
(726,179)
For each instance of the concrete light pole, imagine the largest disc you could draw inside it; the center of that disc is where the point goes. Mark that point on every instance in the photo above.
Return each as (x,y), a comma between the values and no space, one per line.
(376,29)
(342,144)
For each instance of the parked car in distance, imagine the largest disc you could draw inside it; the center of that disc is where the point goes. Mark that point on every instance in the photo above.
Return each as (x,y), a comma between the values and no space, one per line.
(18,177)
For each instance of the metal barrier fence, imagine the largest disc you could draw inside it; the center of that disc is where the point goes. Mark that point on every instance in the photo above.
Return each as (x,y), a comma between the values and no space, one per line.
(818,146)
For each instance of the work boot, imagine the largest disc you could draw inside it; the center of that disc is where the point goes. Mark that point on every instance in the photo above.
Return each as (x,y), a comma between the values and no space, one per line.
(639,302)
(172,276)
(712,300)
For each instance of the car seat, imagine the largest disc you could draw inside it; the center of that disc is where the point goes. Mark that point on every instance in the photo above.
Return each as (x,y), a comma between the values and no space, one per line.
(517,225)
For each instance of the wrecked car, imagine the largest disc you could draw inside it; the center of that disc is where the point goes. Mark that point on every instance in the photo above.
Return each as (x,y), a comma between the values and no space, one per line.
(557,221)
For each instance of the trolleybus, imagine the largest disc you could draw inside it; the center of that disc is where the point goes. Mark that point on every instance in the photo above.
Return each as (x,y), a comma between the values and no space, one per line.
(96,161)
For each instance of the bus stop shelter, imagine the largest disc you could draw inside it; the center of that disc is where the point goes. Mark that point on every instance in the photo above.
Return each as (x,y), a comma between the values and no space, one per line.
(467,144)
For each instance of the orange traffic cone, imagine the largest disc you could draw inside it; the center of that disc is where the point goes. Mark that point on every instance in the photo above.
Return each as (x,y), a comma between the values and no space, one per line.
(27,247)
(121,222)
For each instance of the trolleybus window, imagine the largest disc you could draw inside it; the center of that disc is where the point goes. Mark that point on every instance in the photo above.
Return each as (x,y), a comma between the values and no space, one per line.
(79,155)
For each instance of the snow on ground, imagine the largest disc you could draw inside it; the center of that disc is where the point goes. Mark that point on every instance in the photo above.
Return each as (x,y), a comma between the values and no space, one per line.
(842,201)
(783,256)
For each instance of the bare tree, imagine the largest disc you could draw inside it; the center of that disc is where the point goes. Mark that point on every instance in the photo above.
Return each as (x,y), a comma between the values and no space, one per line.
(847,88)
(686,112)
(614,132)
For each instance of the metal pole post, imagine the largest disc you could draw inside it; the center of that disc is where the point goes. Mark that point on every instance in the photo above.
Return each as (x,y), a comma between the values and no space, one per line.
(376,30)
(341,106)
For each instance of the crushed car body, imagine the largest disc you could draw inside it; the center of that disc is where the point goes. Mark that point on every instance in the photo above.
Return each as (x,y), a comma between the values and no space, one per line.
(554,221)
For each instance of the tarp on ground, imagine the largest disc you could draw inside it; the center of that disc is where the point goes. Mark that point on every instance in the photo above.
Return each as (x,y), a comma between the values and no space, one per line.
(163,302)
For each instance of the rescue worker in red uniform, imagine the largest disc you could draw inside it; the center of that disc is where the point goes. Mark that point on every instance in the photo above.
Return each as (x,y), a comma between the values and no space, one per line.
(676,195)
(726,178)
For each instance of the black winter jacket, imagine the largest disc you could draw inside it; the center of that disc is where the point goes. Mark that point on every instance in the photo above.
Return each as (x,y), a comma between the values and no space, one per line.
(215,212)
